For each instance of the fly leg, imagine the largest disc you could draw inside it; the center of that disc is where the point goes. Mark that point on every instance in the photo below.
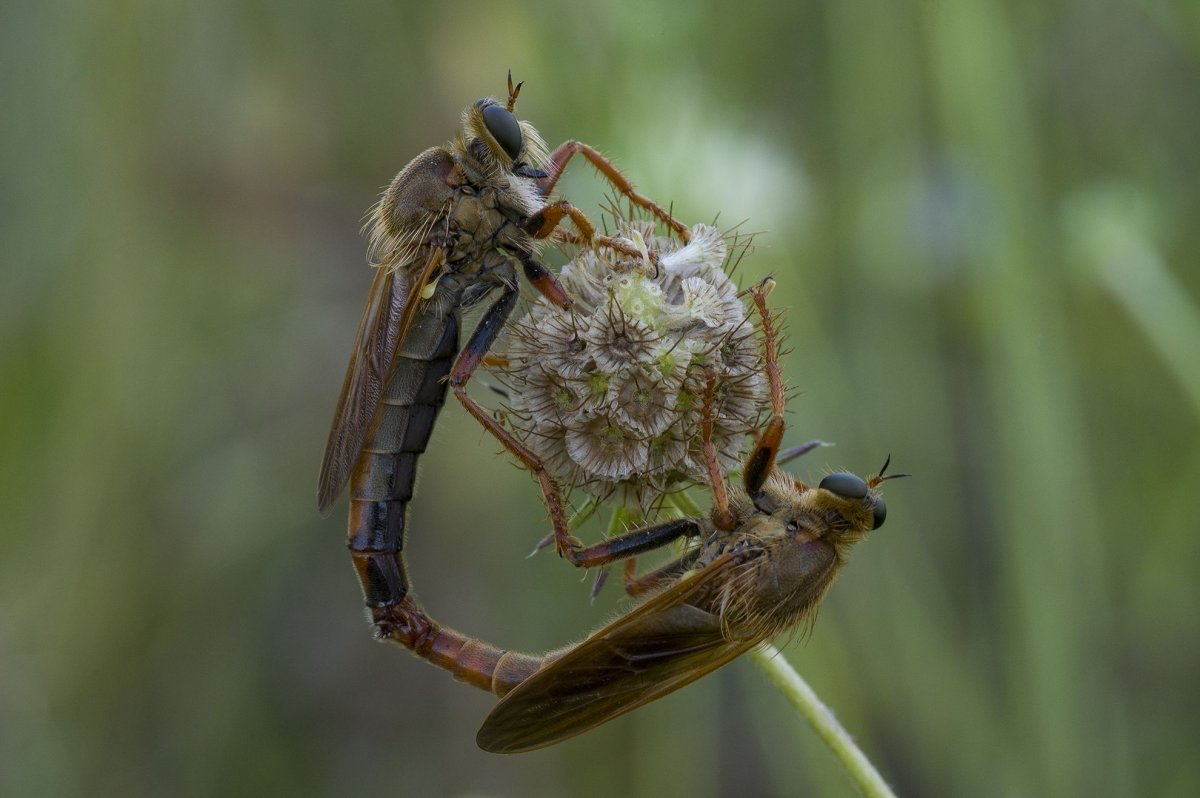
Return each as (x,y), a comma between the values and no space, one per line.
(636,541)
(543,224)
(469,359)
(762,456)
(629,545)
(722,517)
(558,162)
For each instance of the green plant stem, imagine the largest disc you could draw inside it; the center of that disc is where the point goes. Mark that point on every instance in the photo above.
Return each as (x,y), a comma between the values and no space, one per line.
(821,718)
(685,504)
(585,512)
(621,520)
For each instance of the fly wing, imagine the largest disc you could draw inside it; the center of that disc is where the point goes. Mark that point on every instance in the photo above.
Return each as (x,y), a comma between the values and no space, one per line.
(657,648)
(375,345)
(391,307)
(417,200)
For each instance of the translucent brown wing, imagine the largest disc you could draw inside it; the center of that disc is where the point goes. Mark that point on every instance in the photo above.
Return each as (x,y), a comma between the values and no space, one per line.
(390,307)
(657,648)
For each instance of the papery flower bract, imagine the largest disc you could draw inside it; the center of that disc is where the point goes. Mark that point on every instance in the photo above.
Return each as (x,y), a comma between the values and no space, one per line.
(610,394)
(618,340)
(644,400)
(604,449)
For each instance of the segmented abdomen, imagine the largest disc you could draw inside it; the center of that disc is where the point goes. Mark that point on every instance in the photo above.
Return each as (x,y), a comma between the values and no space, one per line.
(382,482)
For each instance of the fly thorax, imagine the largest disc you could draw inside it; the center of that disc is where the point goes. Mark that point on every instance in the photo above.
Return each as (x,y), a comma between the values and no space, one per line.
(523,198)
(788,580)
(479,277)
(473,225)
(796,561)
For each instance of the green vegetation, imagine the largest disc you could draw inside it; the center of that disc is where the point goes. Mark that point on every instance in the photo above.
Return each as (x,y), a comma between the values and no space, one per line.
(981,218)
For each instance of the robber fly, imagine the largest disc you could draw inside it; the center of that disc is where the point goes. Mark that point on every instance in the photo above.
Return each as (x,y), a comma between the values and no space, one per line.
(761,563)
(448,231)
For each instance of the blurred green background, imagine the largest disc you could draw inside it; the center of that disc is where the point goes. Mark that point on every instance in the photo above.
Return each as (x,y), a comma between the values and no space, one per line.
(982,217)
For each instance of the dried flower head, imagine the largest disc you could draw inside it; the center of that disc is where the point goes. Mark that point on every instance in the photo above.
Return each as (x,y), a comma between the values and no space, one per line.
(610,395)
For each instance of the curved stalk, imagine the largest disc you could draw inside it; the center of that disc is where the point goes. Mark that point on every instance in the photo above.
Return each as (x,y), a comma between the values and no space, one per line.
(821,718)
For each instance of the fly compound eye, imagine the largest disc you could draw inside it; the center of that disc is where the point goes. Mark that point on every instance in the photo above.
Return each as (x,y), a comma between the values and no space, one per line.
(848,486)
(880,512)
(504,129)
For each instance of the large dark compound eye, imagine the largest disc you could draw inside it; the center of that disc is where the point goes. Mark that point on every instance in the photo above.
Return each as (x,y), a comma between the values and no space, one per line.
(880,512)
(848,486)
(504,129)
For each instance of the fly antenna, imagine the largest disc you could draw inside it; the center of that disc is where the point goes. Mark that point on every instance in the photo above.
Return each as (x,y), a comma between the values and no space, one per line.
(513,92)
(878,478)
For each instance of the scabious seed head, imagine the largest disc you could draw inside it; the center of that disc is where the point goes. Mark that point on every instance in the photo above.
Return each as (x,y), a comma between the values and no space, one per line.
(611,394)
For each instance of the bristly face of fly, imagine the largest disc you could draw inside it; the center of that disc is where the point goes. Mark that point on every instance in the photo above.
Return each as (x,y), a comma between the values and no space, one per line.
(507,151)
(501,142)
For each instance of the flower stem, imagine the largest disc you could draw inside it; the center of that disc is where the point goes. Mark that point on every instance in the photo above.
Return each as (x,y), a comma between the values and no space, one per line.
(621,519)
(685,504)
(821,718)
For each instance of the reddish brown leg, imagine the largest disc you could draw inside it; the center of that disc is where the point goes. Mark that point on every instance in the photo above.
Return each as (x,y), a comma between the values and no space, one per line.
(567,237)
(543,224)
(468,360)
(762,456)
(495,361)
(558,162)
(545,282)
(722,516)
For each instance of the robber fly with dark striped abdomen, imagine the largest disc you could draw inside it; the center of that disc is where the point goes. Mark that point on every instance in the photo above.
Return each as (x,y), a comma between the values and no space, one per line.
(449,231)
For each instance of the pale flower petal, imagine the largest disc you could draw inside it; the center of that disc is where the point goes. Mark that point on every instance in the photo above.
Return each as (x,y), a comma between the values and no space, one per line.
(609,394)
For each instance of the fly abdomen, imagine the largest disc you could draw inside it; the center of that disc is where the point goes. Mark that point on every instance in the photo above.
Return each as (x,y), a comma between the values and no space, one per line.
(475,662)
(376,539)
(384,476)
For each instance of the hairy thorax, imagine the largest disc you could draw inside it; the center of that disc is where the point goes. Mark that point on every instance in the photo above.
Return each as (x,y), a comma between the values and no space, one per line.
(480,235)
(477,222)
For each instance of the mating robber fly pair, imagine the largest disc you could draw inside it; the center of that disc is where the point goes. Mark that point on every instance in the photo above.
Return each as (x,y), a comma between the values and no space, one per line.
(449,232)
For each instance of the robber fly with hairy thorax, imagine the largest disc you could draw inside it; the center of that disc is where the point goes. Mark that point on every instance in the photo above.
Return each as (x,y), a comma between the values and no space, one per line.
(759,566)
(447,232)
